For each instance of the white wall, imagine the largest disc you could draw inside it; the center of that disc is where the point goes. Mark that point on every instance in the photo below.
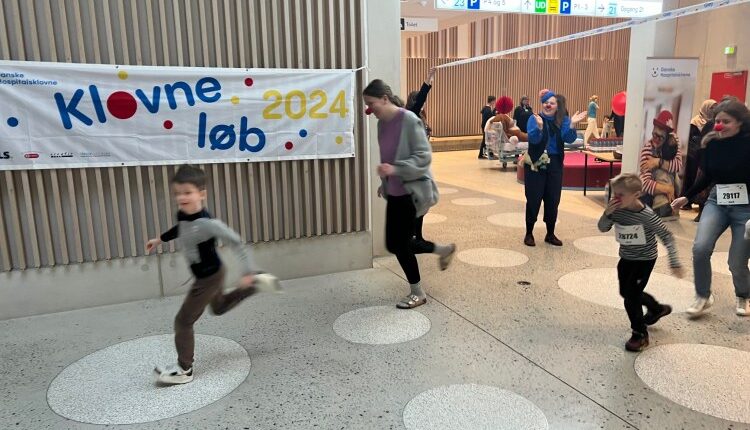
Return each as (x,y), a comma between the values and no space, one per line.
(705,35)
(384,61)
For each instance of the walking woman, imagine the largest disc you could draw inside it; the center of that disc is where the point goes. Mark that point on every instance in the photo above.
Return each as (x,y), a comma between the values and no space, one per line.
(724,162)
(407,183)
(543,162)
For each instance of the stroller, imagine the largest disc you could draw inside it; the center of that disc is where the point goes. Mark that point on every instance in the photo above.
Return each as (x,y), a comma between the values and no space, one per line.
(506,149)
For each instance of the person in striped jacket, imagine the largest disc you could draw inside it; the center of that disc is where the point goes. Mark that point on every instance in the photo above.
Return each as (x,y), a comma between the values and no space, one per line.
(636,227)
(660,165)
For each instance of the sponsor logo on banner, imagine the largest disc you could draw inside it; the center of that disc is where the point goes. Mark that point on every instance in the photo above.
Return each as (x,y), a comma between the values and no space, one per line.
(31,155)
(5,155)
(61,155)
(95,154)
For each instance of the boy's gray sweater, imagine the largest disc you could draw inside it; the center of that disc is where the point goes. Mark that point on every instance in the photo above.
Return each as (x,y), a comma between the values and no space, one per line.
(197,234)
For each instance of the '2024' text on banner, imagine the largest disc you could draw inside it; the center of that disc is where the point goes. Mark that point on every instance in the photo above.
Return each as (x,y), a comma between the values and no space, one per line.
(59,115)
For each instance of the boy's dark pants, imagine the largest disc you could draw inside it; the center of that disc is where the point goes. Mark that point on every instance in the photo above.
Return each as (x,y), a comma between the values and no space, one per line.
(203,292)
(633,276)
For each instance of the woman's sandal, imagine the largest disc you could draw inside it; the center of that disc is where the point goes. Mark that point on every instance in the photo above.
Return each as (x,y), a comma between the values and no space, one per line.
(411,302)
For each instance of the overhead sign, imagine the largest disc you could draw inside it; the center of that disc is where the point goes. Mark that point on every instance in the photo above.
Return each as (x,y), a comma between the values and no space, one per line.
(602,8)
(419,24)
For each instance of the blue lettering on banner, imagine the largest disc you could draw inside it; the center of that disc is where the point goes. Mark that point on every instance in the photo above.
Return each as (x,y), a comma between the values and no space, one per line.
(473,4)
(213,87)
(207,89)
(152,104)
(222,137)
(70,109)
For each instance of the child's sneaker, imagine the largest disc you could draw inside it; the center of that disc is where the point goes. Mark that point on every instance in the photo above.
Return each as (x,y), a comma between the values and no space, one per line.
(267,283)
(637,343)
(174,374)
(652,319)
(743,306)
(700,306)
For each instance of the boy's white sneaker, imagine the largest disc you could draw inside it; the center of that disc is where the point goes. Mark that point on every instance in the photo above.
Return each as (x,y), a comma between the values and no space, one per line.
(743,306)
(267,283)
(173,375)
(700,306)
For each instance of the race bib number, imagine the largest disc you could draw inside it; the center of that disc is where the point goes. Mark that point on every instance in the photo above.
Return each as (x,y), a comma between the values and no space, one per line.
(630,234)
(731,194)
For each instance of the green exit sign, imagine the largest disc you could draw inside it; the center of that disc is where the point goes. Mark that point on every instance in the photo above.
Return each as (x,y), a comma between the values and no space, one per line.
(730,50)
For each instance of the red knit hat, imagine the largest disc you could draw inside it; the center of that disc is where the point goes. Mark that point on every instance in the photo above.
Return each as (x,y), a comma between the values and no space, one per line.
(504,104)
(664,120)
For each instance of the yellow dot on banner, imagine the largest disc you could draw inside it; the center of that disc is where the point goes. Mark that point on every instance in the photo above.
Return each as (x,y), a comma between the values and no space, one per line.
(235,100)
(122,74)
(339,140)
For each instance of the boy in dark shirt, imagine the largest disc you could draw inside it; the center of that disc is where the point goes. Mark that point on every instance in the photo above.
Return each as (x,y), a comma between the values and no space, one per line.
(197,233)
(637,227)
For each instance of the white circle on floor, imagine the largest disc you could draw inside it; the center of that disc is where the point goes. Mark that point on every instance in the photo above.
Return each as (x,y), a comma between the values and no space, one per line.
(447,190)
(492,257)
(381,325)
(508,219)
(719,263)
(471,406)
(607,245)
(432,218)
(705,378)
(601,286)
(473,201)
(117,384)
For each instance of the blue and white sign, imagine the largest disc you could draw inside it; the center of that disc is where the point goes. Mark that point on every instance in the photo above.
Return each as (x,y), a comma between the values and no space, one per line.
(603,8)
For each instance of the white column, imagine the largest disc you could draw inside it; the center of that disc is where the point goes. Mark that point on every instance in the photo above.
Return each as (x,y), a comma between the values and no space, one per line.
(384,60)
(646,40)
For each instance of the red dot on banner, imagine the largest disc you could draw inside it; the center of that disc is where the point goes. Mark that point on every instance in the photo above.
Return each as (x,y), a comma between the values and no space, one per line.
(121,105)
(249,82)
(289,146)
(168,124)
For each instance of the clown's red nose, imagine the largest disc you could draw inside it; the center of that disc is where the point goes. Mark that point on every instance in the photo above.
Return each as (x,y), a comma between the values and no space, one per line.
(719,127)
(368,111)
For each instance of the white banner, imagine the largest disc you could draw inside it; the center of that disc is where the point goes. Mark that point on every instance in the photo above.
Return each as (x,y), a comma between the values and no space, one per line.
(668,99)
(61,115)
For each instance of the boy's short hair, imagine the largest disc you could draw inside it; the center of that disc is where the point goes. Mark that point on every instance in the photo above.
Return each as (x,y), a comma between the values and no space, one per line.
(491,99)
(188,174)
(627,181)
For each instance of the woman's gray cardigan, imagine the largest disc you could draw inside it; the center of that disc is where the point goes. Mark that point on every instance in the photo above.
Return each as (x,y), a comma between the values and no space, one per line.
(412,164)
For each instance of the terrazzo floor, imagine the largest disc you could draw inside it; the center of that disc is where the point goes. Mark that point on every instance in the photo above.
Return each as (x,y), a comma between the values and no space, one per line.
(511,338)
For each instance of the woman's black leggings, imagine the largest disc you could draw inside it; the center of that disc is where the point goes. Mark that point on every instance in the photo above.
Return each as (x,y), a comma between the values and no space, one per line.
(400,223)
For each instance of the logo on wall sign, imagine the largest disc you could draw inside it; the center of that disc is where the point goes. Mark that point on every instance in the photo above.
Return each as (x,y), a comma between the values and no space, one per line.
(654,72)
(31,155)
(5,155)
(95,154)
(61,155)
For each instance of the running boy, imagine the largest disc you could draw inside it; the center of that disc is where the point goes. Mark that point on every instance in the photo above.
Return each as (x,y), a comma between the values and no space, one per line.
(198,233)
(636,226)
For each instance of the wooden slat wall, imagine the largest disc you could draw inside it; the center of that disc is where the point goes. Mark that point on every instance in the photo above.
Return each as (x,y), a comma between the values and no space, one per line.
(578,69)
(68,216)
(504,31)
(459,92)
